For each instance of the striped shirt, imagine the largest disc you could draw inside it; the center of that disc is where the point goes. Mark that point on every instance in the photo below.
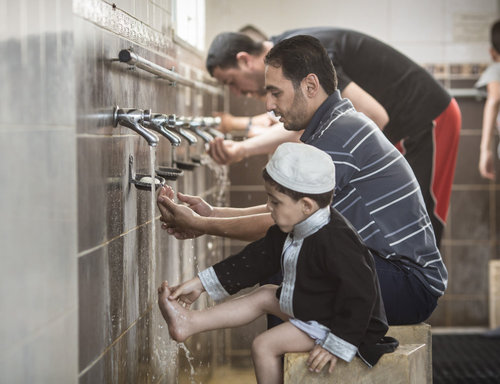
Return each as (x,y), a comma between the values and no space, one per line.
(377,191)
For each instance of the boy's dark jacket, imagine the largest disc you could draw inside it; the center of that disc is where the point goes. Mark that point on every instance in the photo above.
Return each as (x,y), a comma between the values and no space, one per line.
(336,283)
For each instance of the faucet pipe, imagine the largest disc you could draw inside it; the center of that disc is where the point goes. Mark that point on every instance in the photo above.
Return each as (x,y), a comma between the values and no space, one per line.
(196,125)
(158,123)
(180,124)
(133,118)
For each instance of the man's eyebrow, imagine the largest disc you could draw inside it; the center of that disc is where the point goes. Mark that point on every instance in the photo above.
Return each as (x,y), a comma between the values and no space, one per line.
(271,88)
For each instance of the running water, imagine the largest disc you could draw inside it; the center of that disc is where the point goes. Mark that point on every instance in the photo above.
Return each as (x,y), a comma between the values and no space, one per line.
(190,359)
(152,274)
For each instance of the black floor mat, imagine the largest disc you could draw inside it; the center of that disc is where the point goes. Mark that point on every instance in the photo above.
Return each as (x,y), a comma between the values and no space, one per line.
(465,358)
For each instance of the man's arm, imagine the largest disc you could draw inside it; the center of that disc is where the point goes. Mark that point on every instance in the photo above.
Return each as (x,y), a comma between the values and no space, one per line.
(490,113)
(364,102)
(228,151)
(183,222)
(243,123)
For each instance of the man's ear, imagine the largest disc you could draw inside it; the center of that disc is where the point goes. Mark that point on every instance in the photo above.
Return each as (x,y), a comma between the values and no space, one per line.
(243,58)
(310,85)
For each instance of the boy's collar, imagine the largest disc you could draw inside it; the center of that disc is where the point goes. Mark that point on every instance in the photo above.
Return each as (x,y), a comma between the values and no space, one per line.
(312,224)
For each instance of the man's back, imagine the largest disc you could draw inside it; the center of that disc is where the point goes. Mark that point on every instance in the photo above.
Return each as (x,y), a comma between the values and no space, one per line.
(377,190)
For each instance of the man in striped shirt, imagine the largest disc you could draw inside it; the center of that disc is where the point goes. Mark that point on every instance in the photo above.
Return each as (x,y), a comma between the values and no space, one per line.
(376,189)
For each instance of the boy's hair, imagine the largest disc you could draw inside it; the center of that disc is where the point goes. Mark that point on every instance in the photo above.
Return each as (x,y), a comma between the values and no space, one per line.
(322,199)
(224,48)
(495,36)
(300,55)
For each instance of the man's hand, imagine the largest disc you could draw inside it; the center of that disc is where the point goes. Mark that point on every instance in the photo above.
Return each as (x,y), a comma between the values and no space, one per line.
(319,357)
(188,292)
(197,204)
(177,219)
(226,151)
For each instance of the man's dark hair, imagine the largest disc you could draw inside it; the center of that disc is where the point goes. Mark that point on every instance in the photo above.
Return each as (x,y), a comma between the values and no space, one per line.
(300,55)
(495,36)
(322,199)
(226,45)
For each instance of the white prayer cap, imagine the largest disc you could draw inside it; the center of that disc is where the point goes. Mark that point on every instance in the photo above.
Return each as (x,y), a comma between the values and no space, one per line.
(302,168)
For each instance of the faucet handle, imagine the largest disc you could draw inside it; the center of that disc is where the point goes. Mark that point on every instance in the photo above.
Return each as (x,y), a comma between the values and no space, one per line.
(147,115)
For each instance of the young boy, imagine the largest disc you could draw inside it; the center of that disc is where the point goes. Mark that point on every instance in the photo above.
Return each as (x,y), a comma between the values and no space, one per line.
(490,80)
(330,297)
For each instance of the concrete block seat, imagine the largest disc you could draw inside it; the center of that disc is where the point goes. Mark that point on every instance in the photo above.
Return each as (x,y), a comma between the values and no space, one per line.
(410,363)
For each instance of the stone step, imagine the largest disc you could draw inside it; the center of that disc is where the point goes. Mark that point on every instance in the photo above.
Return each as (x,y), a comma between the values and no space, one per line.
(406,365)
(415,334)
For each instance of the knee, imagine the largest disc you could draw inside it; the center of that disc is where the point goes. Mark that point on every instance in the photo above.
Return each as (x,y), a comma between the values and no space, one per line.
(259,346)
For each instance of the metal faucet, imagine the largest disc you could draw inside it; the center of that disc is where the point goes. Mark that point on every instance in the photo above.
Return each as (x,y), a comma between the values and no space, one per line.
(133,118)
(180,124)
(196,124)
(211,123)
(158,123)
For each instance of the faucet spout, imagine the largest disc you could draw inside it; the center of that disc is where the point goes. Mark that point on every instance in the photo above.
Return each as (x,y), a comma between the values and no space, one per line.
(179,125)
(158,122)
(196,125)
(132,118)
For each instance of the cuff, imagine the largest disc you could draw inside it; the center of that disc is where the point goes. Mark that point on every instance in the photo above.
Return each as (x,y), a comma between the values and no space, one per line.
(212,284)
(340,348)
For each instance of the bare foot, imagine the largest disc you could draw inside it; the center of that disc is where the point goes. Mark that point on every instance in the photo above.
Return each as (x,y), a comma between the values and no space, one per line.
(175,315)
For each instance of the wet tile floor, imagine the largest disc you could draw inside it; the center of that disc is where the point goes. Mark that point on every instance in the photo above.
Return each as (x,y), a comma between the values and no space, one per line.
(231,375)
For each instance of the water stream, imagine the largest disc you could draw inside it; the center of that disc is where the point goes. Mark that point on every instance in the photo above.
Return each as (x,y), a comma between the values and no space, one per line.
(190,360)
(152,157)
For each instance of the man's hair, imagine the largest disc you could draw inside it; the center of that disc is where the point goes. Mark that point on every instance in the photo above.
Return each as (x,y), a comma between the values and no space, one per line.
(226,45)
(300,55)
(495,36)
(322,199)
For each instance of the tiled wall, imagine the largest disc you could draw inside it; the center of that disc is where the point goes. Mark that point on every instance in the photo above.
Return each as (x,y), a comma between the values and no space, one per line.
(123,255)
(471,237)
(38,205)
(81,248)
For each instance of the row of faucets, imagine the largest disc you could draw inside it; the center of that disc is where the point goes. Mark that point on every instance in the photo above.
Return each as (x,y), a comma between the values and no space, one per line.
(172,127)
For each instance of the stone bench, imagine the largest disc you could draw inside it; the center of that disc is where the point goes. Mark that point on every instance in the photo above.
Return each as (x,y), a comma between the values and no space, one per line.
(410,363)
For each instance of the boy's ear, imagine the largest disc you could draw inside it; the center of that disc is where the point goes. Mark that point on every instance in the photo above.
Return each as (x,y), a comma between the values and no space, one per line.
(308,205)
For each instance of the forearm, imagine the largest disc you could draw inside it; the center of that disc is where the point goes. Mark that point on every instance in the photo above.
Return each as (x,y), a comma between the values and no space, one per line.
(268,142)
(490,113)
(245,228)
(237,212)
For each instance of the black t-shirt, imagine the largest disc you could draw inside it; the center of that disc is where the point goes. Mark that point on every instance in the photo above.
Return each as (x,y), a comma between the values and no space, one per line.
(410,95)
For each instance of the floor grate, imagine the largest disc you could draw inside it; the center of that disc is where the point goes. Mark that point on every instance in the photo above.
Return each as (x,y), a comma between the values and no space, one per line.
(465,359)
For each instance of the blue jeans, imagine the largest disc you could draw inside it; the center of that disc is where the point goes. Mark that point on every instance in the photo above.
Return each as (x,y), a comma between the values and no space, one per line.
(406,300)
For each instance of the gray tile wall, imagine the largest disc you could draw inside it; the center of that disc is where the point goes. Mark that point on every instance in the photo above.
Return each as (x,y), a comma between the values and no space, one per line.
(82,249)
(123,255)
(471,237)
(38,204)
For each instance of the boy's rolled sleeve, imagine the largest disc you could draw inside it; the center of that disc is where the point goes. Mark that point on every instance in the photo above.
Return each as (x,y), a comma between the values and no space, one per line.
(212,285)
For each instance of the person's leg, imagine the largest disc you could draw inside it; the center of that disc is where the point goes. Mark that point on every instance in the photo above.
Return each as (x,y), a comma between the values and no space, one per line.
(269,347)
(432,156)
(183,323)
(406,300)
(276,279)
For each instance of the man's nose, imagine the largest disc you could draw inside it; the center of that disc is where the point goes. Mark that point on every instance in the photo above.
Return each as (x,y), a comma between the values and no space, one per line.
(270,105)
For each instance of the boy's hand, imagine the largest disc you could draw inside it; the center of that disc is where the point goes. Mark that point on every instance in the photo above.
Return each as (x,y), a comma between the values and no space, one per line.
(188,292)
(319,357)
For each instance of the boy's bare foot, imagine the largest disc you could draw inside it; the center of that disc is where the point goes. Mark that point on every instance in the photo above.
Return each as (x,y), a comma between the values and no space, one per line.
(175,315)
